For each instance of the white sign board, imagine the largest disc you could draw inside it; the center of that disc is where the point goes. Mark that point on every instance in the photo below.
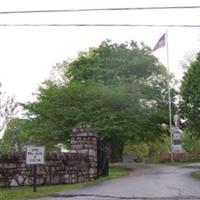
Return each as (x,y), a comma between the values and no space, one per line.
(34,155)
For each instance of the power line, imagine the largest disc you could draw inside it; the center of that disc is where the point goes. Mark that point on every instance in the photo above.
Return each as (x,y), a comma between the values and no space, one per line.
(103,25)
(98,9)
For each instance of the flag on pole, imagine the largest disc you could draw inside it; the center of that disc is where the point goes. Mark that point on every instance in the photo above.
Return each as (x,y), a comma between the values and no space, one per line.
(160,43)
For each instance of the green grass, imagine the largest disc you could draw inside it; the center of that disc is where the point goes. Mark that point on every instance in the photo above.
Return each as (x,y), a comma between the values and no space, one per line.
(22,193)
(196,174)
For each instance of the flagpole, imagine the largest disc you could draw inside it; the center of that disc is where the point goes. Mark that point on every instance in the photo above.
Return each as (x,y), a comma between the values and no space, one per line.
(169,99)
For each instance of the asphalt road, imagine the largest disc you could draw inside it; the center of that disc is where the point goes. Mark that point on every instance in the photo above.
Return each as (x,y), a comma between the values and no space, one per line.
(145,182)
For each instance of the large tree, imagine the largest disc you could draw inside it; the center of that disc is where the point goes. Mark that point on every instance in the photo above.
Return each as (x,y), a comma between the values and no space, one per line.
(120,89)
(190,93)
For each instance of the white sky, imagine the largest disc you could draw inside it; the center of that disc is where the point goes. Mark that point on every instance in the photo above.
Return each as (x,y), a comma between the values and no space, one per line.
(27,54)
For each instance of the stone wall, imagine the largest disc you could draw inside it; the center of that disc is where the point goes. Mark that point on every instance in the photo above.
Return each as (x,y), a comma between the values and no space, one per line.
(59,168)
(77,165)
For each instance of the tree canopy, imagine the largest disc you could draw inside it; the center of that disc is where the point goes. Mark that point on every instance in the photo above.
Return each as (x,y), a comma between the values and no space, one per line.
(120,89)
(115,63)
(190,93)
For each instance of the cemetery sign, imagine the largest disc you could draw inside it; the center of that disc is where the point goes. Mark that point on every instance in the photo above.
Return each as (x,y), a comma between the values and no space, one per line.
(34,155)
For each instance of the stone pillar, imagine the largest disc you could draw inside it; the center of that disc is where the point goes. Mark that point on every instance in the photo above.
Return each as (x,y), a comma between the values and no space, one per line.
(84,140)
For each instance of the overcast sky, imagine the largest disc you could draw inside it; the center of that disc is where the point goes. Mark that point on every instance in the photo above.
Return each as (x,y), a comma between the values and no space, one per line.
(27,54)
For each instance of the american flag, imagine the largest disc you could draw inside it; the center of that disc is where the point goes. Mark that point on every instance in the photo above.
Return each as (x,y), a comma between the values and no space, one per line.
(160,43)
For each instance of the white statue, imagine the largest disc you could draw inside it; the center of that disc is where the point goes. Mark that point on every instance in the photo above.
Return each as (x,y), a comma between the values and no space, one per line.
(177,135)
(176,120)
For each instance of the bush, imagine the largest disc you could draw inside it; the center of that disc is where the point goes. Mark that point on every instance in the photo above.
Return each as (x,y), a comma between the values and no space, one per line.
(140,150)
(191,142)
(147,151)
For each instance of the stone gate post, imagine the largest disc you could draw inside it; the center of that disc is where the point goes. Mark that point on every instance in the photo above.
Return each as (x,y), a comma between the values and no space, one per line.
(84,140)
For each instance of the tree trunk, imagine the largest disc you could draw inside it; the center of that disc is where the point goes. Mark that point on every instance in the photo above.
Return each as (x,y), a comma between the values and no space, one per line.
(116,154)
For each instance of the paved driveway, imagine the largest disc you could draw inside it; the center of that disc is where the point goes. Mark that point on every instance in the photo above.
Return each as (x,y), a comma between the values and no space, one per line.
(145,182)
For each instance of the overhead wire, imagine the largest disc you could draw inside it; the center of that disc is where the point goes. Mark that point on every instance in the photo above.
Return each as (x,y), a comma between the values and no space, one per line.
(102,25)
(98,9)
(98,25)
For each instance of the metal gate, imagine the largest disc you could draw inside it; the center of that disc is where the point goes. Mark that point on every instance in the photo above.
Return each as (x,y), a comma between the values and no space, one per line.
(102,159)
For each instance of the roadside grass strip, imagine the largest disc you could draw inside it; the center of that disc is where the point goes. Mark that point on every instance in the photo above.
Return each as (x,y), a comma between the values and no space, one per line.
(23,193)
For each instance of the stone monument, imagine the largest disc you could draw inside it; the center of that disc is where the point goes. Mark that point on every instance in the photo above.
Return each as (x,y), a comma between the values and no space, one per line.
(177,135)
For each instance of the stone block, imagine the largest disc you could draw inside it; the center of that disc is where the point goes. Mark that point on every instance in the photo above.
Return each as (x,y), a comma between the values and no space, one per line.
(83,151)
(92,171)
(27,181)
(92,153)
(10,165)
(20,179)
(13,183)
(77,146)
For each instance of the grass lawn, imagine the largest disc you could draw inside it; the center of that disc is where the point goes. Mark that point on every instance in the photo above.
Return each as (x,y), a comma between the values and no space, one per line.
(22,193)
